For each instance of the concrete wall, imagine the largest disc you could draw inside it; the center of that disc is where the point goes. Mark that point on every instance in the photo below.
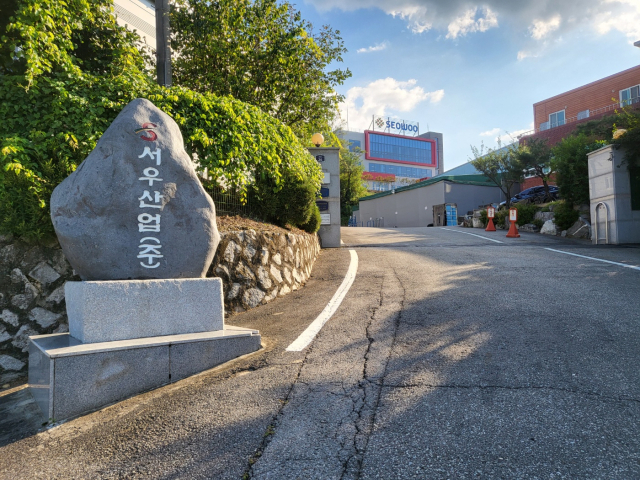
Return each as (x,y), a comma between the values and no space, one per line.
(414,207)
(329,159)
(470,197)
(609,183)
(440,153)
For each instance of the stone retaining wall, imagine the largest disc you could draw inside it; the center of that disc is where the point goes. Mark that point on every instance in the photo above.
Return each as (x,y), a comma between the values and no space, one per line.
(255,267)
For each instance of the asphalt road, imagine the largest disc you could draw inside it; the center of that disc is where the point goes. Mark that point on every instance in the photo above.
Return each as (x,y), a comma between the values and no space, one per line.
(452,356)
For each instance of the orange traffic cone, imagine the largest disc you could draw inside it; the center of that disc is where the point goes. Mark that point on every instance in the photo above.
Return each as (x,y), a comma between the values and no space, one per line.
(513,231)
(490,226)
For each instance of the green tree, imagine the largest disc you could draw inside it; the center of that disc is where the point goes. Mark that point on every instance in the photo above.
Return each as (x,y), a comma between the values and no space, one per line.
(570,161)
(67,72)
(629,120)
(352,187)
(535,157)
(500,165)
(263,53)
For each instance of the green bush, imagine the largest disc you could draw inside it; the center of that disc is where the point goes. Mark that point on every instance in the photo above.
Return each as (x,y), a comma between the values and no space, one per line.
(564,215)
(500,217)
(61,91)
(313,224)
(570,163)
(292,204)
(526,212)
(538,222)
(483,218)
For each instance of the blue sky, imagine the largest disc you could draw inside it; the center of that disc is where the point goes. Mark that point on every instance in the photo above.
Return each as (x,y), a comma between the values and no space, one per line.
(473,71)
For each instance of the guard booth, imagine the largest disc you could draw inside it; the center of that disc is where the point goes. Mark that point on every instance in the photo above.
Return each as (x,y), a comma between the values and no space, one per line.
(615,197)
(445,214)
(329,203)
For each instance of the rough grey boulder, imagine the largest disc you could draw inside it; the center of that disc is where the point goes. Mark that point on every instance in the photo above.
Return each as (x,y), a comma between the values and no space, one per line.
(580,229)
(135,209)
(549,228)
(529,227)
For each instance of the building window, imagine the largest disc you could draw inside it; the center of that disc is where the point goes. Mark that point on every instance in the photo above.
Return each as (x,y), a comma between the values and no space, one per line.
(398,148)
(353,144)
(556,119)
(583,114)
(411,172)
(630,96)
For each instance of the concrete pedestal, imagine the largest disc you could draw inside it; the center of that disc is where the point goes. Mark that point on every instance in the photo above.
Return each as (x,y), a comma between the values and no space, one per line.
(127,337)
(125,309)
(68,378)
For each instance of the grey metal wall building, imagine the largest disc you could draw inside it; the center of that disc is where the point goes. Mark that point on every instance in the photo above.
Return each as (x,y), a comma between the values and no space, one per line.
(412,206)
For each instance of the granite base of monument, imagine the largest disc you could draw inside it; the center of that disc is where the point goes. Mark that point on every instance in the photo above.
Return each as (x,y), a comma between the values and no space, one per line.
(106,311)
(127,337)
(68,378)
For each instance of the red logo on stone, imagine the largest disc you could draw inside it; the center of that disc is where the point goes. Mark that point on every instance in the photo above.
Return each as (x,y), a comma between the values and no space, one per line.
(148,134)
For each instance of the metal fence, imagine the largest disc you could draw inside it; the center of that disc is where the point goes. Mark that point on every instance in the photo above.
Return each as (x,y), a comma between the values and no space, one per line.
(230,203)
(377,223)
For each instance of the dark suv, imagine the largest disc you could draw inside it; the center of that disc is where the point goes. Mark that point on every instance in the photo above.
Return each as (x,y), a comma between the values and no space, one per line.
(534,195)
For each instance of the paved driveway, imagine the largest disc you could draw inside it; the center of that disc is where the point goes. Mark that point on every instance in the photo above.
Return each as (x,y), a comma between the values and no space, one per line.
(456,353)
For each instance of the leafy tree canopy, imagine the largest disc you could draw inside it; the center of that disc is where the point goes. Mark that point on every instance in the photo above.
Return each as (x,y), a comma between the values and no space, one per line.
(261,52)
(352,187)
(500,165)
(535,157)
(66,71)
(571,163)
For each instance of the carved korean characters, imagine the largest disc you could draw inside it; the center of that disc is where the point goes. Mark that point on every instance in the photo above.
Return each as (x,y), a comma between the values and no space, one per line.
(135,209)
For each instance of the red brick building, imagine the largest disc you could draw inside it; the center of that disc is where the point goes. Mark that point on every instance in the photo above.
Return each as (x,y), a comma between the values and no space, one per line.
(558,116)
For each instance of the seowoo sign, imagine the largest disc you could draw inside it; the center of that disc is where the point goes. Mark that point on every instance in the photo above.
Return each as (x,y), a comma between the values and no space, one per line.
(394,125)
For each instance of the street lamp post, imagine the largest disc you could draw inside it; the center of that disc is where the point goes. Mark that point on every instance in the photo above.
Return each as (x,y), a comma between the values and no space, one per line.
(163,48)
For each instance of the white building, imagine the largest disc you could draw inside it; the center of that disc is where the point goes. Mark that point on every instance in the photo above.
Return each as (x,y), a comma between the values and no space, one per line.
(138,15)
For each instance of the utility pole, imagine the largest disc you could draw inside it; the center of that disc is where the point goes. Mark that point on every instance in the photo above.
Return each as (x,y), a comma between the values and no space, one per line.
(163,48)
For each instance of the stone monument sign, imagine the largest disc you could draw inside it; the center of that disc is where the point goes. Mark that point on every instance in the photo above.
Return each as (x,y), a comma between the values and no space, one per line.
(137,226)
(135,209)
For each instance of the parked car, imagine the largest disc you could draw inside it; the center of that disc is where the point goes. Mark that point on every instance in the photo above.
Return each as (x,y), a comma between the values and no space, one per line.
(534,195)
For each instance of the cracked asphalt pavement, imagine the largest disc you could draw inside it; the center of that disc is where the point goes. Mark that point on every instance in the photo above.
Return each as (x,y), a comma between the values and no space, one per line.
(451,357)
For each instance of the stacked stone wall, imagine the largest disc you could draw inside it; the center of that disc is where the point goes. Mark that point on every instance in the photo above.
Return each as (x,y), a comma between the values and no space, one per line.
(255,268)
(31,300)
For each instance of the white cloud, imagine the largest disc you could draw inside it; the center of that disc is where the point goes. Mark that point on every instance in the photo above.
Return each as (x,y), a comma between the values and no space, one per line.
(516,133)
(551,19)
(490,133)
(522,54)
(471,22)
(380,97)
(416,17)
(506,136)
(627,21)
(541,28)
(373,48)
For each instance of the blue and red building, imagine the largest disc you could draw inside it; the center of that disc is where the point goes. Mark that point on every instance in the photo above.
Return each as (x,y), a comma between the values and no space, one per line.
(392,160)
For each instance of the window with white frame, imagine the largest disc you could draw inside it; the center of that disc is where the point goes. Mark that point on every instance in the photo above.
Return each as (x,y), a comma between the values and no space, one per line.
(629,96)
(556,119)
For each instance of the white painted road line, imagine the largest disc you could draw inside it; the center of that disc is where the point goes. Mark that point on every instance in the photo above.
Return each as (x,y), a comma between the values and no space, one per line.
(312,330)
(479,236)
(596,259)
